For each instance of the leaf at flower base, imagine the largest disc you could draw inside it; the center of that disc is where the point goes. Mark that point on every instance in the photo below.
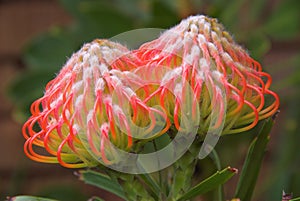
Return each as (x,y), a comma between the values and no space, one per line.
(219,178)
(253,162)
(29,198)
(295,199)
(101,181)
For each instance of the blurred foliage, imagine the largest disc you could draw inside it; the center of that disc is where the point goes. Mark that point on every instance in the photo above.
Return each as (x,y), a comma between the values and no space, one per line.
(256,24)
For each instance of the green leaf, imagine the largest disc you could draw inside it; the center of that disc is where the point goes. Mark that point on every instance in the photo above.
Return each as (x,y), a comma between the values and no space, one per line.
(253,163)
(284,174)
(29,198)
(210,183)
(215,158)
(101,181)
(94,198)
(295,199)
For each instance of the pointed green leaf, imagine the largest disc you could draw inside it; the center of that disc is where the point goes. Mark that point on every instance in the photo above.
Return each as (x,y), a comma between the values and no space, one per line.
(295,199)
(220,177)
(29,198)
(101,181)
(215,158)
(253,163)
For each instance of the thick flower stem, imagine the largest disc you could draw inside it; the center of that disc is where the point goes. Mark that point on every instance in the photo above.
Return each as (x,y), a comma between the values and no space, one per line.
(183,171)
(173,181)
(133,187)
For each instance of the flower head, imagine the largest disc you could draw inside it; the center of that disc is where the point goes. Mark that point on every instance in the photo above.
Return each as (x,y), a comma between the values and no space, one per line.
(221,74)
(107,97)
(89,108)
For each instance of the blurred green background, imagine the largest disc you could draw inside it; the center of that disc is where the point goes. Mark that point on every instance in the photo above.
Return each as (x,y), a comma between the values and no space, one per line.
(269,29)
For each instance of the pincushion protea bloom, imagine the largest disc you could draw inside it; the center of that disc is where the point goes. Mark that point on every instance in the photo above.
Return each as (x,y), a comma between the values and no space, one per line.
(81,112)
(107,97)
(223,77)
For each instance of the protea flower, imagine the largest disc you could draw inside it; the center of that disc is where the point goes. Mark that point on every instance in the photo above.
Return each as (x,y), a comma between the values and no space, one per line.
(222,76)
(107,100)
(225,88)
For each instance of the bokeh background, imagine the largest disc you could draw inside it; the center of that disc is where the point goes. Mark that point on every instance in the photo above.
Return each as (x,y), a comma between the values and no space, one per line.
(37,37)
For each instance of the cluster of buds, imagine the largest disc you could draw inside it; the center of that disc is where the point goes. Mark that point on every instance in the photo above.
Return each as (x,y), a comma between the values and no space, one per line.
(108,100)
